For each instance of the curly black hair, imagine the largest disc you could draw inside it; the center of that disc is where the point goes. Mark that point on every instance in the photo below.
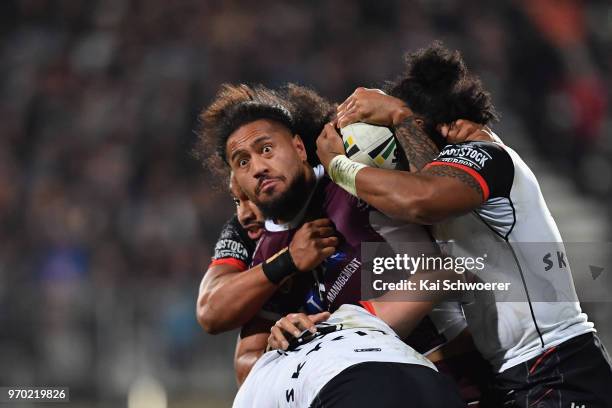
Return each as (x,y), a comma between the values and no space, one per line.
(310,113)
(300,109)
(437,85)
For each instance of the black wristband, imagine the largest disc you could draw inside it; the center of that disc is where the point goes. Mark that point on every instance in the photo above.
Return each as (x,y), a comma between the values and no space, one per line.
(279,266)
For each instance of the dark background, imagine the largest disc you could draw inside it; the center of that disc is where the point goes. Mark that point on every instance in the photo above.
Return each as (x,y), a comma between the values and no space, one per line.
(106,220)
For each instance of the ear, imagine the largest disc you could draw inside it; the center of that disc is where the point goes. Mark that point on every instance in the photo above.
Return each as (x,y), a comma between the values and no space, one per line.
(299,147)
(420,122)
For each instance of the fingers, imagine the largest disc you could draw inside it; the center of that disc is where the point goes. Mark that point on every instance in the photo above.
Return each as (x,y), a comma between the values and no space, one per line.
(290,325)
(344,104)
(488,131)
(452,131)
(324,232)
(271,343)
(443,129)
(328,242)
(347,104)
(327,252)
(277,339)
(330,130)
(320,228)
(287,326)
(349,117)
(304,323)
(462,122)
(295,323)
(319,317)
(351,110)
(320,222)
(464,132)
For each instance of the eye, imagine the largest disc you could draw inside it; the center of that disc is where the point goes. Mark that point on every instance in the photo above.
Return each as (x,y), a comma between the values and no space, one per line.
(242,162)
(266,149)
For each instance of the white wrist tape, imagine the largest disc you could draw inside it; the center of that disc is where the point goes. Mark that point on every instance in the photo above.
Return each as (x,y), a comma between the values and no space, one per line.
(343,171)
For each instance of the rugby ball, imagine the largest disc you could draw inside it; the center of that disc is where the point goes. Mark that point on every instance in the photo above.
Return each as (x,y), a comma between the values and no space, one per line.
(374,146)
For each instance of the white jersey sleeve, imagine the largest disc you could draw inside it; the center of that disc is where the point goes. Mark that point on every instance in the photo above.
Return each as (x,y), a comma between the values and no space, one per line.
(515,228)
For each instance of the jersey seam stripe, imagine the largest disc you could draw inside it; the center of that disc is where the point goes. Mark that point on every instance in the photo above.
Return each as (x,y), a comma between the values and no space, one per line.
(520,272)
(229,261)
(513,218)
(535,322)
(479,179)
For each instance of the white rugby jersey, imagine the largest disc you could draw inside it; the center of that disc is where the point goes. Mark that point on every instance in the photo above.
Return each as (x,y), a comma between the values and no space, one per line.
(516,230)
(294,378)
(447,317)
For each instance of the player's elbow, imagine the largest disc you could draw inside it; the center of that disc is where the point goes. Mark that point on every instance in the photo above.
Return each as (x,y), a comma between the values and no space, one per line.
(424,215)
(208,319)
(206,322)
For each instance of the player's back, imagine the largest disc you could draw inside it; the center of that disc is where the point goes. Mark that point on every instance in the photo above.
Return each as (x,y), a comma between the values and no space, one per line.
(294,378)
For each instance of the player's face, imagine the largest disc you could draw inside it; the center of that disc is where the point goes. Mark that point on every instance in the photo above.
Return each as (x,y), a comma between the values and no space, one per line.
(268,164)
(248,214)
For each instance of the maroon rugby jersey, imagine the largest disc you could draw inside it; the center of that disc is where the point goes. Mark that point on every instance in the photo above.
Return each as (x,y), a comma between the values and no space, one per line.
(338,280)
(339,274)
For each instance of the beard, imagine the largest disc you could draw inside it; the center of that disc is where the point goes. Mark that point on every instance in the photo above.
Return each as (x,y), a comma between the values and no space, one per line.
(286,206)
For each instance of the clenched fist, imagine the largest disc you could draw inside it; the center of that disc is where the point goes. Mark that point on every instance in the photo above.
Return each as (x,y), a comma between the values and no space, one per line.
(329,145)
(313,243)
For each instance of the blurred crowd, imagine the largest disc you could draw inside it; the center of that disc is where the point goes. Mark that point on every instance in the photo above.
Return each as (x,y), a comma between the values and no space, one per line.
(107,221)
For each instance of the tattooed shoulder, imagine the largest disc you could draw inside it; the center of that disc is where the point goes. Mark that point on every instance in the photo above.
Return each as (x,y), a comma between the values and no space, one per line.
(448,171)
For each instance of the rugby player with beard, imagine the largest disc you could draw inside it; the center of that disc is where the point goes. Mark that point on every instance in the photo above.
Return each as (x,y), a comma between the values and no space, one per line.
(481,196)
(232,292)
(269,161)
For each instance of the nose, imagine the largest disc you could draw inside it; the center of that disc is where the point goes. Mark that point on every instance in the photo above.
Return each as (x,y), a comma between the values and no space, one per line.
(245,214)
(259,166)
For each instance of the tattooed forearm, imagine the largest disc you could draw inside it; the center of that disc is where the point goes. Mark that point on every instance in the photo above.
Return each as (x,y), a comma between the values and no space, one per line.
(419,148)
(448,171)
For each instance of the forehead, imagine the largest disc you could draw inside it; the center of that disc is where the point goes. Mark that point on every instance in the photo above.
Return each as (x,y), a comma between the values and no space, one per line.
(250,132)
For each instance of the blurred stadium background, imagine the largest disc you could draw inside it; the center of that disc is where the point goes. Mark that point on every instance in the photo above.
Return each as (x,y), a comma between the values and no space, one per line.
(107,222)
